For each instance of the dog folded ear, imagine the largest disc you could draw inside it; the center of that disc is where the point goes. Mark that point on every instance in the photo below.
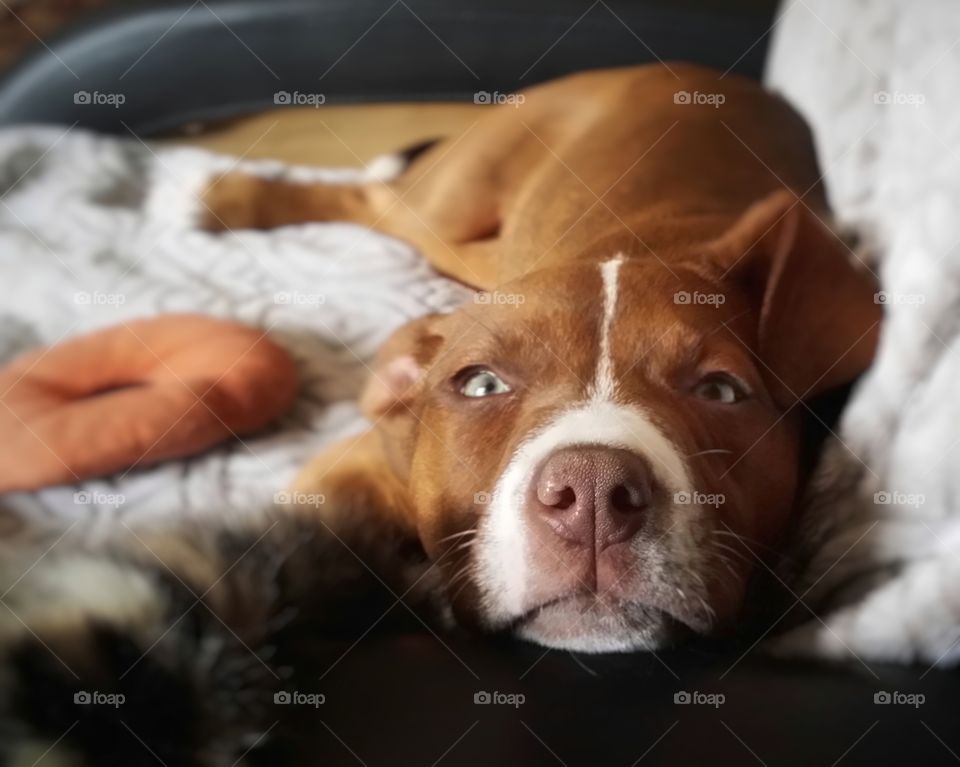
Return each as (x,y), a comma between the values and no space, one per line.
(397,371)
(397,376)
(819,320)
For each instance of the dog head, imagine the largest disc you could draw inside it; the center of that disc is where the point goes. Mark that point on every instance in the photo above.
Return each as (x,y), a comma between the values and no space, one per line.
(587,450)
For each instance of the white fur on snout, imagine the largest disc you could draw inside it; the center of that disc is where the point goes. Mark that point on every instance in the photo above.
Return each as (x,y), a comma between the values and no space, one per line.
(503,555)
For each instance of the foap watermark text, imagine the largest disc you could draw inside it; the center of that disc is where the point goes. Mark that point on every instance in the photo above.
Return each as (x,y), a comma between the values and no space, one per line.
(495,698)
(96,98)
(495,98)
(896,698)
(98,298)
(95,698)
(887,297)
(97,498)
(298,99)
(296,298)
(899,98)
(297,698)
(696,498)
(896,498)
(496,298)
(715,100)
(696,698)
(696,298)
(297,498)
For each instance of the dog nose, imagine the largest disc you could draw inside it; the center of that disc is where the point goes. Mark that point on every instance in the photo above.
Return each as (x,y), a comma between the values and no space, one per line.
(593,495)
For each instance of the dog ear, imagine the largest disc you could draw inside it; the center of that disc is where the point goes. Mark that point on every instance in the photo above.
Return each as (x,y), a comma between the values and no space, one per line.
(819,320)
(397,371)
(397,377)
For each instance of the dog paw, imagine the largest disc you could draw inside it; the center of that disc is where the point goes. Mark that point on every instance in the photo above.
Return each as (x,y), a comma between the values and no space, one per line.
(230,202)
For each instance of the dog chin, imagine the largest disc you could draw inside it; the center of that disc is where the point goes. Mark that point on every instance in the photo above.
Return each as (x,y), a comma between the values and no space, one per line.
(585,624)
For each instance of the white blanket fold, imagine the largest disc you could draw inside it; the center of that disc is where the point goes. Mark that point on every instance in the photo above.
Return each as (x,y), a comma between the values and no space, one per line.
(878,81)
(97,230)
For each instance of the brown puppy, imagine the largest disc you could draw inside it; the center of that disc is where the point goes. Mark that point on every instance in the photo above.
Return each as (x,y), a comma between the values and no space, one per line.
(583,449)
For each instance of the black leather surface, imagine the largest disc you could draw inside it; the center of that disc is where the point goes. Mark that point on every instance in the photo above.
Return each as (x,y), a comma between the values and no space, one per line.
(176,62)
(406,702)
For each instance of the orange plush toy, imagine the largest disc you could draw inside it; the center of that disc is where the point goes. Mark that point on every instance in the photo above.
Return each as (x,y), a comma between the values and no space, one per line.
(136,394)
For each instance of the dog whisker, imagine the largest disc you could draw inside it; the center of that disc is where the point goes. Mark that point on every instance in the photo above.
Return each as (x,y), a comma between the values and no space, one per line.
(463,545)
(461,534)
(708,610)
(712,451)
(461,580)
(748,543)
(752,546)
(724,560)
(720,546)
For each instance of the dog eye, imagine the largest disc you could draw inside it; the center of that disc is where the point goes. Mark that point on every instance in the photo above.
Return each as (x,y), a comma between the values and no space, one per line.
(481,382)
(720,387)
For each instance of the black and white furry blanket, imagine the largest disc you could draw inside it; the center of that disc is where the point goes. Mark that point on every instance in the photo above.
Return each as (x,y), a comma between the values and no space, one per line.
(187,640)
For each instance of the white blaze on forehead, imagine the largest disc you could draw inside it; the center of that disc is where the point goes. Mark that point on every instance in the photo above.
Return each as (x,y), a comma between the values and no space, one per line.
(604,387)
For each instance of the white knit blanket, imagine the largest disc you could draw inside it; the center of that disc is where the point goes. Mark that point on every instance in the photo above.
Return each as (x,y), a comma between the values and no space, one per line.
(878,79)
(97,230)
